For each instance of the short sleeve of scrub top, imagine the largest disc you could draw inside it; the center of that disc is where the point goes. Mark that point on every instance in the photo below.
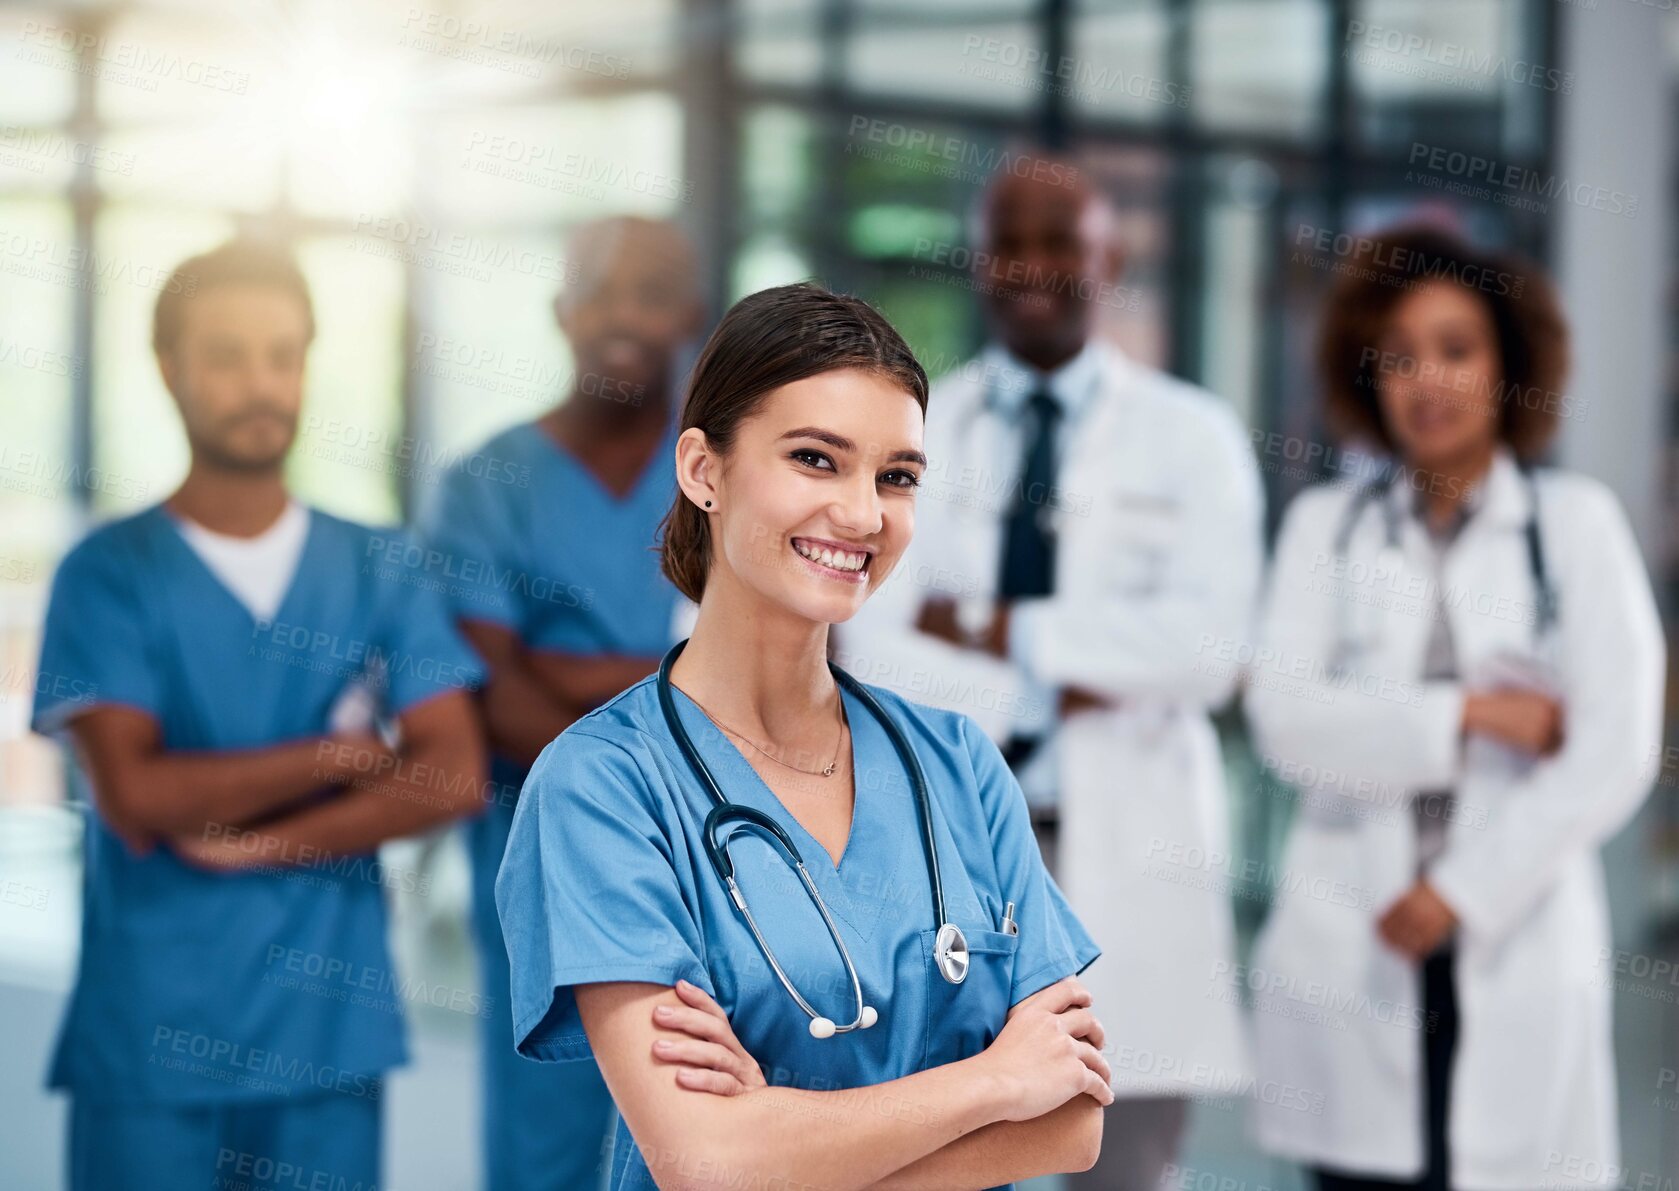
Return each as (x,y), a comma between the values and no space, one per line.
(424,653)
(588,892)
(93,647)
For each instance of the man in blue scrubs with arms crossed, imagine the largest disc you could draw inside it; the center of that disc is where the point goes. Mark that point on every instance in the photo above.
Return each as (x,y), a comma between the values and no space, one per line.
(255,711)
(567,609)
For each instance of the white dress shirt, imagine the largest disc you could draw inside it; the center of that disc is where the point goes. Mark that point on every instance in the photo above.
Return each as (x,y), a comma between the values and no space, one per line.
(1009,381)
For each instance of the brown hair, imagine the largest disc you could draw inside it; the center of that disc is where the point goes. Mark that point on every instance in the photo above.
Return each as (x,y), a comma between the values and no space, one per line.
(769,339)
(1527,322)
(237,262)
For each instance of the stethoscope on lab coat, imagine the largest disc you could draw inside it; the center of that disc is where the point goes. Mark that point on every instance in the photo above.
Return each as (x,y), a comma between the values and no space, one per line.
(1387,562)
(950,946)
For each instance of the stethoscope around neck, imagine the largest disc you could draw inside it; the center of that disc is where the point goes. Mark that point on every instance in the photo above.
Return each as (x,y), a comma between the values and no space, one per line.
(1378,491)
(950,946)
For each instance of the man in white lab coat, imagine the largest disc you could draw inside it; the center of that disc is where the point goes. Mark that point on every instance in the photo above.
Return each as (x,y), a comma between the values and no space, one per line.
(1087,548)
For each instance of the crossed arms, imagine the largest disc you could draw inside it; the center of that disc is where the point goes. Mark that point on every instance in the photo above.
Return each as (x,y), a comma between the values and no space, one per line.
(701,1113)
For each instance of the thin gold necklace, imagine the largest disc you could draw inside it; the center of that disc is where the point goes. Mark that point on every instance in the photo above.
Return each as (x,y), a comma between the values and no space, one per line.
(828,772)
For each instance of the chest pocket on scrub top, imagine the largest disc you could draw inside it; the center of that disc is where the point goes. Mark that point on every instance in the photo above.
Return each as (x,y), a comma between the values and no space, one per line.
(963,1019)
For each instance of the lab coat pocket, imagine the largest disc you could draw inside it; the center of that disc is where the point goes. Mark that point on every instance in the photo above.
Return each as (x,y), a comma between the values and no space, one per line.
(963,1019)
(1143,531)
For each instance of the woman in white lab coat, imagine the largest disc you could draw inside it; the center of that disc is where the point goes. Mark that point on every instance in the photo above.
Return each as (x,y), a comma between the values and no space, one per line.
(1460,673)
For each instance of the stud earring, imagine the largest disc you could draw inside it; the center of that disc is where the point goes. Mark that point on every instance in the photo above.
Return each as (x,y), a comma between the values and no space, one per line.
(708,504)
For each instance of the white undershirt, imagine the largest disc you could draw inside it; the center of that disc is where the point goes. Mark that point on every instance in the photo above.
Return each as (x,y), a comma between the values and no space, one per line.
(257,570)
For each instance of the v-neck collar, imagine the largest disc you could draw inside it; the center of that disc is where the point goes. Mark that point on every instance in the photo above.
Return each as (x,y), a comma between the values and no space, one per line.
(630,499)
(166,525)
(768,800)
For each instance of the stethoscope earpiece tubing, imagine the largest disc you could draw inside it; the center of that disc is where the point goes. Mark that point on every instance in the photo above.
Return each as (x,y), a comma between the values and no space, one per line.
(1378,489)
(951,951)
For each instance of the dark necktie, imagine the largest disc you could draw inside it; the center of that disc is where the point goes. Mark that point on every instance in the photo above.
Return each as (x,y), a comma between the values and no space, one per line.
(1028,547)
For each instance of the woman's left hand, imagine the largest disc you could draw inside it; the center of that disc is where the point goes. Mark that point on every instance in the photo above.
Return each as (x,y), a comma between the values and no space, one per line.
(709,1058)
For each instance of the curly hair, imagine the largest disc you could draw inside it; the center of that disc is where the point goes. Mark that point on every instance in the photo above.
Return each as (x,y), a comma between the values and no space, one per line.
(1385,268)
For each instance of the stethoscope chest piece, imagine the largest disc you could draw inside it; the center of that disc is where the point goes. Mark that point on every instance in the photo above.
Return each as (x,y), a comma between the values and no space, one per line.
(950,953)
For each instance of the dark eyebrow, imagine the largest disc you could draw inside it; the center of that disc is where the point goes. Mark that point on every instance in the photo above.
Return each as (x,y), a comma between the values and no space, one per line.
(840,443)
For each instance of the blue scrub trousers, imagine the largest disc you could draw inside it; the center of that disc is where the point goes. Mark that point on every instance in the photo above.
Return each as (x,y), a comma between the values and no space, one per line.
(330,1140)
(545,1125)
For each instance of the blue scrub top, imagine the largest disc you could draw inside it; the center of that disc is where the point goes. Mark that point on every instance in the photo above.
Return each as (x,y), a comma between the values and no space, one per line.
(531,541)
(606,879)
(198,986)
(526,537)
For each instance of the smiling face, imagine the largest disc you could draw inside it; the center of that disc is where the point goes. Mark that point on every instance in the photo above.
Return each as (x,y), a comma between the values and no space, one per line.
(635,303)
(1048,248)
(236,372)
(814,503)
(1438,376)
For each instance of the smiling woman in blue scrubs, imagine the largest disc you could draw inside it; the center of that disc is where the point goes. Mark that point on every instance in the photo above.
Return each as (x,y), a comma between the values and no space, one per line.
(798,460)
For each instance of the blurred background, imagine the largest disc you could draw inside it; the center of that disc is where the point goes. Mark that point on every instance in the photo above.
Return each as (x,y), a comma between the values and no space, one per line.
(425,159)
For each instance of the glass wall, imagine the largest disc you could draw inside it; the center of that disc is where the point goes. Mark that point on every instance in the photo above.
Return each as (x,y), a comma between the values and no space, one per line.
(425,165)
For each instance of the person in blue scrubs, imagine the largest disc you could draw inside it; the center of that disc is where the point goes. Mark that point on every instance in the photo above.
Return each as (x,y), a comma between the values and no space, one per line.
(555,585)
(797,465)
(254,709)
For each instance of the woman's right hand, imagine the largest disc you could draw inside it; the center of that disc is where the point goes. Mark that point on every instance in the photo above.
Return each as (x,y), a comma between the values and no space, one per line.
(1049,1051)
